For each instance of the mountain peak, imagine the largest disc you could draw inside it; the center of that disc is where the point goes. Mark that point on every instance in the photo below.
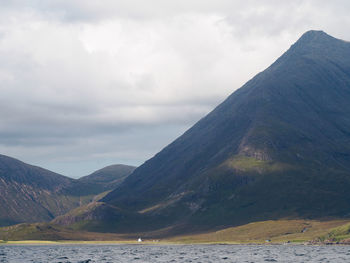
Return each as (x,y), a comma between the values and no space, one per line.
(316,45)
(314,35)
(316,38)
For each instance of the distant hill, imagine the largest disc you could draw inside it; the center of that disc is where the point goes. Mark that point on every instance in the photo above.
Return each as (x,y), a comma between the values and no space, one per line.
(279,147)
(108,177)
(32,194)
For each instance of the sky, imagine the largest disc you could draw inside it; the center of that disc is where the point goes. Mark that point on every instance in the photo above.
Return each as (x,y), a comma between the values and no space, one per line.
(85,84)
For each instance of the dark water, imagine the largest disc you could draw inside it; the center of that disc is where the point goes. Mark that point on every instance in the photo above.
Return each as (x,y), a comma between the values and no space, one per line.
(181,253)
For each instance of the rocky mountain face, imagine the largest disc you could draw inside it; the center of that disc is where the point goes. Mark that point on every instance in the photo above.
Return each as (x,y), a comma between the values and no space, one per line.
(279,147)
(30,193)
(33,194)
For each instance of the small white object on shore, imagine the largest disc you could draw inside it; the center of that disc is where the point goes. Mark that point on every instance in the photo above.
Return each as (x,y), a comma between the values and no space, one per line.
(139,240)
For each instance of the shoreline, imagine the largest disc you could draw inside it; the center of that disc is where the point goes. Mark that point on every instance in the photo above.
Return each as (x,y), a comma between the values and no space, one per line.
(152,243)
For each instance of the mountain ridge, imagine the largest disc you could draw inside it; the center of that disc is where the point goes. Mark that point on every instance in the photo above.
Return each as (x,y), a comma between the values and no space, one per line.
(30,193)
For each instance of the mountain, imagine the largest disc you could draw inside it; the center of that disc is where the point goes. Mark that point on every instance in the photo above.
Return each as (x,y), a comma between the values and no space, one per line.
(32,194)
(278,147)
(107,178)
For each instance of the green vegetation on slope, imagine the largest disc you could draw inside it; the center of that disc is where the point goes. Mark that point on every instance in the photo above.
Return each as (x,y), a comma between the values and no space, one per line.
(251,164)
(276,231)
(50,232)
(337,234)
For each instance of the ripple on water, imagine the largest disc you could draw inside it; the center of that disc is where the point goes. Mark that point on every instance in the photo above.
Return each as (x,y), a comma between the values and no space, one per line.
(183,253)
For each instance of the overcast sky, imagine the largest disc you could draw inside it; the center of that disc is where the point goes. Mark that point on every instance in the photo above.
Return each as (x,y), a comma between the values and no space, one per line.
(85,84)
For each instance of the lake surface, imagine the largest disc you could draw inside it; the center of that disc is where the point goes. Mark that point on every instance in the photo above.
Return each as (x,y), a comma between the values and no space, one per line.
(174,253)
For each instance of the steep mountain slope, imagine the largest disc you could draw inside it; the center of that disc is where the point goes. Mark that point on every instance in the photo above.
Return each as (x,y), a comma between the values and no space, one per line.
(279,147)
(30,193)
(33,194)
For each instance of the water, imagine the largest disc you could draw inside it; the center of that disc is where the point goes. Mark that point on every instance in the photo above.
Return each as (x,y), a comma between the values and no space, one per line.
(180,253)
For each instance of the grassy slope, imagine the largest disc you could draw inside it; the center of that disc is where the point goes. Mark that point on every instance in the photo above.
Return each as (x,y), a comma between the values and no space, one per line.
(337,234)
(278,231)
(48,232)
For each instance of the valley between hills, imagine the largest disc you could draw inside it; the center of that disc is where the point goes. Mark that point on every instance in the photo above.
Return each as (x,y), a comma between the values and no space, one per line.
(270,164)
